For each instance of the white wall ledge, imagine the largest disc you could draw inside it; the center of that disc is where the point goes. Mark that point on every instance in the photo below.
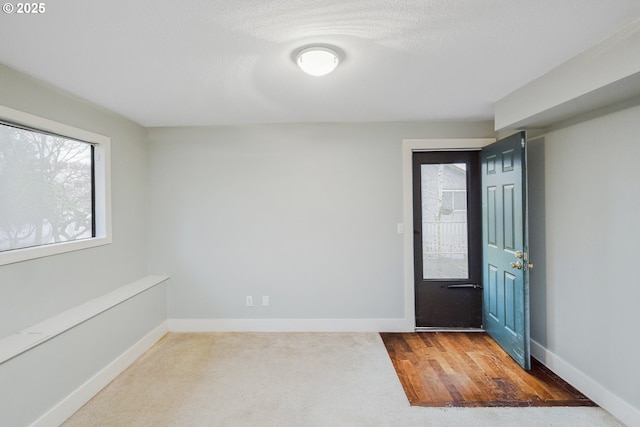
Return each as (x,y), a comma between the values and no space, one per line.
(606,74)
(26,339)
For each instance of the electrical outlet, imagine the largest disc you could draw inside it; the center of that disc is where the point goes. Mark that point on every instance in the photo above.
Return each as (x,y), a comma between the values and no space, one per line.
(265,300)
(249,301)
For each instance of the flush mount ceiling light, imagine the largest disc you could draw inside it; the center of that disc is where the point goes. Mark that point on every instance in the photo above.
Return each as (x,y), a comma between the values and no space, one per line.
(317,60)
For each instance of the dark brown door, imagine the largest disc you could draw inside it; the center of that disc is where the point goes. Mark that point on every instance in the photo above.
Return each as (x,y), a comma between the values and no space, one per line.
(447,239)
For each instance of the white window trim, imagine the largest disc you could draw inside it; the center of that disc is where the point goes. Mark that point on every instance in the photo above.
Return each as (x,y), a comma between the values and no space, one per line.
(102,159)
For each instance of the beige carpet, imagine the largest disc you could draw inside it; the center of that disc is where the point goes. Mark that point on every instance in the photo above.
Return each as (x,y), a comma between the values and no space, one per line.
(286,379)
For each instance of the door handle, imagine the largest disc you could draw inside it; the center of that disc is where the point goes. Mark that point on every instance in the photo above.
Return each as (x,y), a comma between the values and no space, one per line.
(518,265)
(465,286)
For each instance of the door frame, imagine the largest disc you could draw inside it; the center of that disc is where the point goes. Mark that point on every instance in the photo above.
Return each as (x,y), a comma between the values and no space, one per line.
(438,306)
(409,146)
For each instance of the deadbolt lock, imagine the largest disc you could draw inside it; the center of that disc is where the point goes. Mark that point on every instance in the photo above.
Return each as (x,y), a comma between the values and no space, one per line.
(519,255)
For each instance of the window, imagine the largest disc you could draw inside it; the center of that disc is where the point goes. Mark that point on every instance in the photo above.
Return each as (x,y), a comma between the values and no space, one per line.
(46,185)
(53,188)
(454,201)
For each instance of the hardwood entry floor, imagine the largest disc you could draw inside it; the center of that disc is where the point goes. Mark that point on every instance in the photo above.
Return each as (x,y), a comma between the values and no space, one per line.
(470,369)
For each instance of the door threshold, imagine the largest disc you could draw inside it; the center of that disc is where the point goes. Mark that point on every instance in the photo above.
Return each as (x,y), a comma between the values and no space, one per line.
(441,329)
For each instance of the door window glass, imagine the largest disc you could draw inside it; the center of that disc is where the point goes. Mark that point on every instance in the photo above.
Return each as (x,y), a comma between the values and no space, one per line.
(444,221)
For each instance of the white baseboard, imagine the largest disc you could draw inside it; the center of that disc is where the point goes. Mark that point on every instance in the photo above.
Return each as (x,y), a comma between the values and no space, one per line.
(587,385)
(290,325)
(68,406)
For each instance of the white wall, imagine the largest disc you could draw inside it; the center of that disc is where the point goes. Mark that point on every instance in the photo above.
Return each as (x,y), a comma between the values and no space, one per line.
(306,214)
(585,242)
(32,291)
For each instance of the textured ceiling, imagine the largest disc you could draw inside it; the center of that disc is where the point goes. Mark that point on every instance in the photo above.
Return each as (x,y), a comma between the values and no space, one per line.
(220,62)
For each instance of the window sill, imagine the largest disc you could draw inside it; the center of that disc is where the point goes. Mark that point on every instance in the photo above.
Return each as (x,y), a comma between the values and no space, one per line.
(25,254)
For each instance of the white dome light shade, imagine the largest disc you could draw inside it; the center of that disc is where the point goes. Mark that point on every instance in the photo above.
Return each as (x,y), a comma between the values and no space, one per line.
(317,61)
